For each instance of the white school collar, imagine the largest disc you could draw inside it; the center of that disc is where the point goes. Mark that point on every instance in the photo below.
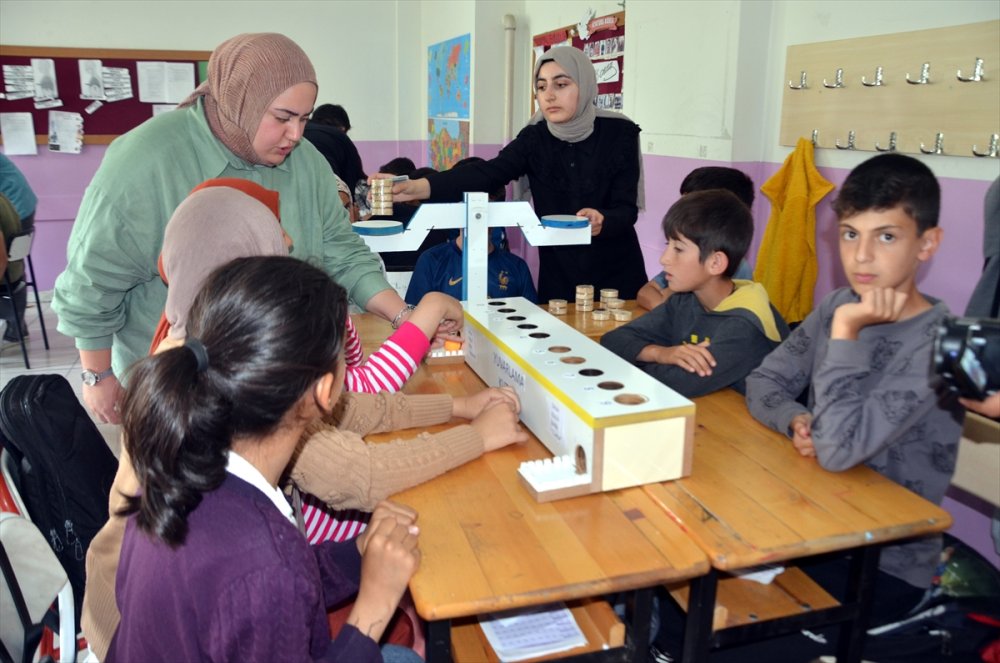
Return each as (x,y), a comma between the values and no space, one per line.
(241,468)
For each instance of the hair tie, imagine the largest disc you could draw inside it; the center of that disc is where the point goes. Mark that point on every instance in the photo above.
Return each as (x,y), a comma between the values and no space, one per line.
(200,354)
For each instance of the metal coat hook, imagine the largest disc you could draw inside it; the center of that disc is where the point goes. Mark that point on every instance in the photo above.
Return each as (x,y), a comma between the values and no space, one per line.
(938,145)
(994,147)
(815,138)
(977,74)
(802,82)
(878,79)
(850,142)
(838,80)
(892,143)
(925,75)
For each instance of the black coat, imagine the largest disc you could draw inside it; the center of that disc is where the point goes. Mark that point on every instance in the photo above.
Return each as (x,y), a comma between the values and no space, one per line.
(601,172)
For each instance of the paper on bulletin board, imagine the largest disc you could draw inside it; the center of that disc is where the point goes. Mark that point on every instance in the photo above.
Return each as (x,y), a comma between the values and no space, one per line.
(18,131)
(65,132)
(164,82)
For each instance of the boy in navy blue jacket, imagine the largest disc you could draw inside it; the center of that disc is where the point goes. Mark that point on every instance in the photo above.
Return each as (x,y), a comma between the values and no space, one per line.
(715,329)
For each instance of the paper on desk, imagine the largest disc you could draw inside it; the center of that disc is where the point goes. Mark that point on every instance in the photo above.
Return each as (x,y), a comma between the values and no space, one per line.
(764,575)
(522,634)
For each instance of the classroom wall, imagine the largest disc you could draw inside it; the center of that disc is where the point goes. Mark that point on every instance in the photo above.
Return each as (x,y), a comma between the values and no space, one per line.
(703,79)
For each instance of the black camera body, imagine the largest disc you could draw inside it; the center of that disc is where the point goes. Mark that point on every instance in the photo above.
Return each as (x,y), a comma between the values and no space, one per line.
(967,356)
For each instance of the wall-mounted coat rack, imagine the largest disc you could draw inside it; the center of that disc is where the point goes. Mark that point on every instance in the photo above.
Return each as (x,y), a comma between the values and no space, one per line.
(874,92)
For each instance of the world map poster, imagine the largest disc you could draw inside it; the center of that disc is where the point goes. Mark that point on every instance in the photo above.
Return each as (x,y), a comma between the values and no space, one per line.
(448,97)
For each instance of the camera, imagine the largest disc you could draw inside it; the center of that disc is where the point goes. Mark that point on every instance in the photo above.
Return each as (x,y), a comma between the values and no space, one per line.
(967,356)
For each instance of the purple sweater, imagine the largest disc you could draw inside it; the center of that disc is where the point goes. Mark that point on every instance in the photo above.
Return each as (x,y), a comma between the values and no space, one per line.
(245,586)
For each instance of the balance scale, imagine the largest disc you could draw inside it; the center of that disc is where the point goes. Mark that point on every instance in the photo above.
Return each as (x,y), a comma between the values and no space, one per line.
(608,424)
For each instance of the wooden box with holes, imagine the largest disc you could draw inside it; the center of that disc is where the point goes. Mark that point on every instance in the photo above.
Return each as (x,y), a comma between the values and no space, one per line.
(608,424)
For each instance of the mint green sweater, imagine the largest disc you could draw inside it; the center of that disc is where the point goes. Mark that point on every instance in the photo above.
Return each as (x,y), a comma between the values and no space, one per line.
(111,294)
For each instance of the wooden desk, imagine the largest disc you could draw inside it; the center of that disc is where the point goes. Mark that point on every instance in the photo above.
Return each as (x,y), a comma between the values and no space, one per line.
(488,546)
(751,499)
(584,322)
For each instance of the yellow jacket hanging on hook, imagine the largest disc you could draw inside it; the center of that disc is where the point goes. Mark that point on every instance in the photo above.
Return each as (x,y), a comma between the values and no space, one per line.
(786,261)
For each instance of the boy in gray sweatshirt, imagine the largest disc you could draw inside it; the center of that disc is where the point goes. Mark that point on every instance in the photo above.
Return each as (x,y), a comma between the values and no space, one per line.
(864,355)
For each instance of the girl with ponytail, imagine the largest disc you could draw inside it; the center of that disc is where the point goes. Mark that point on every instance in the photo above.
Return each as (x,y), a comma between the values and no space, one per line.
(212,567)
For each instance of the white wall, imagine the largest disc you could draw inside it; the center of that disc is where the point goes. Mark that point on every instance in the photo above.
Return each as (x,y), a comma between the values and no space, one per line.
(351,44)
(805,21)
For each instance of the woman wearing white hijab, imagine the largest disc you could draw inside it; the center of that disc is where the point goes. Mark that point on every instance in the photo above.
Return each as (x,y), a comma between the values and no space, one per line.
(581,161)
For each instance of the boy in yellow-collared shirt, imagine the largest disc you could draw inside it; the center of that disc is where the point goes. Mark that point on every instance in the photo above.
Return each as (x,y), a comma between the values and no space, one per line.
(715,329)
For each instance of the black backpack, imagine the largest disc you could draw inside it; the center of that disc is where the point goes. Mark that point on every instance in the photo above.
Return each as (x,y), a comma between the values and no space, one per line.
(61,466)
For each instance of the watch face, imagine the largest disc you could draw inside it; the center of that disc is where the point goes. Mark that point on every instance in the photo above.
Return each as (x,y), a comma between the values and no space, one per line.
(89,378)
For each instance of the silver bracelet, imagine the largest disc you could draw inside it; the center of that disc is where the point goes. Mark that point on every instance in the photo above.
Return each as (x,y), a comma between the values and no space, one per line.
(398,320)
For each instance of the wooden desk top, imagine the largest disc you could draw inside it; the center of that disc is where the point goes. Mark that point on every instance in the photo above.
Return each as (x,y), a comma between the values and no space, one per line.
(584,322)
(751,499)
(488,546)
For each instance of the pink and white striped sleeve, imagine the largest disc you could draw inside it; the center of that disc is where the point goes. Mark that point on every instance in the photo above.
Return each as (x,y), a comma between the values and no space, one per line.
(353,354)
(389,367)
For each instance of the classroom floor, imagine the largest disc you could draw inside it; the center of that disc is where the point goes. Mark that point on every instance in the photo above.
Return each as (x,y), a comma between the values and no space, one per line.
(61,357)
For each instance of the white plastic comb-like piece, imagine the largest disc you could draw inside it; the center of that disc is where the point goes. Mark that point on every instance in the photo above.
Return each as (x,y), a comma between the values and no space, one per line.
(552,473)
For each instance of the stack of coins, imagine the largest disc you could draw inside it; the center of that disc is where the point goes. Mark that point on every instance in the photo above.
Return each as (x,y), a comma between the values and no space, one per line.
(621,315)
(612,303)
(585,298)
(557,306)
(382,197)
(608,293)
(601,314)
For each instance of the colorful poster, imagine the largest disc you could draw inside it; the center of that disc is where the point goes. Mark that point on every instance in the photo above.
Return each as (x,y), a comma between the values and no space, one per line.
(448,80)
(448,97)
(448,142)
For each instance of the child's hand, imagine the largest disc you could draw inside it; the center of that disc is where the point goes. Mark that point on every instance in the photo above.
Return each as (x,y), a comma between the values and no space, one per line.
(596,220)
(438,316)
(390,559)
(387,509)
(801,429)
(877,306)
(499,426)
(692,358)
(470,407)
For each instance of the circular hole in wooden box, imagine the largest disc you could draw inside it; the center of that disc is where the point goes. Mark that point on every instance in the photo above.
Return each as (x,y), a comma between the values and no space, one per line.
(538,335)
(591,372)
(610,385)
(497,303)
(572,360)
(558,349)
(506,310)
(527,325)
(630,399)
(516,317)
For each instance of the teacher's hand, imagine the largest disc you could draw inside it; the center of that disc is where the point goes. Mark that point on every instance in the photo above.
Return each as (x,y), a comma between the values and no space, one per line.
(596,220)
(419,189)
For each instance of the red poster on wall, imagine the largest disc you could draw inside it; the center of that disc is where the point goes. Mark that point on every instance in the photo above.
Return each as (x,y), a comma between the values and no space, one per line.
(602,39)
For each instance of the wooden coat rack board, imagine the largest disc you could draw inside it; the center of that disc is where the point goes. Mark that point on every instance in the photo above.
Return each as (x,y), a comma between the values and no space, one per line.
(944,115)
(113,119)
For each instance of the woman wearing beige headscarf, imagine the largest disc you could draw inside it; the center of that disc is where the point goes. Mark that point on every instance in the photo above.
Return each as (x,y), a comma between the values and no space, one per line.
(245,121)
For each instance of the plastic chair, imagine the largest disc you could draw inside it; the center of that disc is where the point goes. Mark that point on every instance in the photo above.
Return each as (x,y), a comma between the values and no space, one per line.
(19,248)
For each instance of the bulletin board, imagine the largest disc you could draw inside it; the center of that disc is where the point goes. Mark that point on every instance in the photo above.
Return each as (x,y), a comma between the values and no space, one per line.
(112,119)
(931,91)
(604,45)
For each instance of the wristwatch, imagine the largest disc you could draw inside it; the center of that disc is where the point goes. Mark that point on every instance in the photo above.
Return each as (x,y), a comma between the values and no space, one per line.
(91,378)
